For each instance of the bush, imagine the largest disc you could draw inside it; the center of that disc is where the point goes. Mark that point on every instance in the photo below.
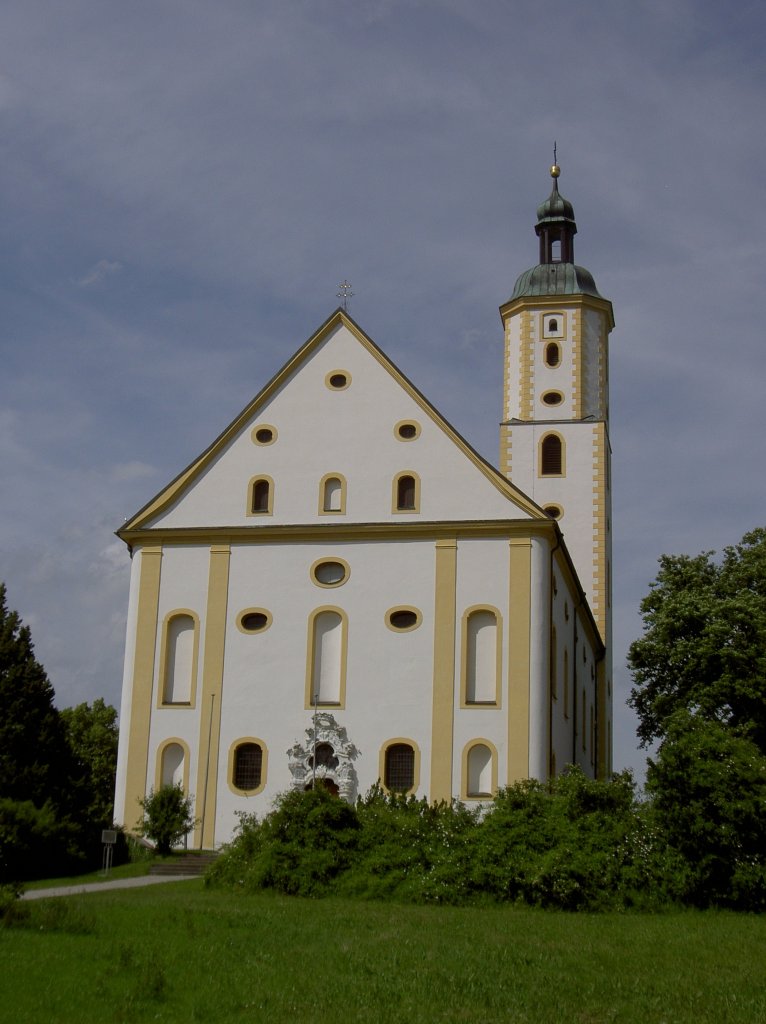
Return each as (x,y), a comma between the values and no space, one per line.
(167,817)
(300,848)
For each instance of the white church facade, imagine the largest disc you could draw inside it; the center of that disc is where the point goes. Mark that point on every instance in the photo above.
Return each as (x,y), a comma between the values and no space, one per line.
(340,590)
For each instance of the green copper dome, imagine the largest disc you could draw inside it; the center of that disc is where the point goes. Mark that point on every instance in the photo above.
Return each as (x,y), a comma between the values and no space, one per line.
(556,273)
(555,279)
(555,207)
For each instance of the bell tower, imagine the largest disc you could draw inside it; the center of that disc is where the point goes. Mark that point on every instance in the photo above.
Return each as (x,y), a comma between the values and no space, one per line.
(554,438)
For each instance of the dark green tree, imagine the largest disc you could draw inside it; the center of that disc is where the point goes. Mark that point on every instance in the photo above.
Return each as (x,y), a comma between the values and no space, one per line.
(704,643)
(708,789)
(91,732)
(34,754)
(167,817)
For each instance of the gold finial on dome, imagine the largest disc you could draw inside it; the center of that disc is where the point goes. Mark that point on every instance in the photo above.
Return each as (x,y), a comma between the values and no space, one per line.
(555,169)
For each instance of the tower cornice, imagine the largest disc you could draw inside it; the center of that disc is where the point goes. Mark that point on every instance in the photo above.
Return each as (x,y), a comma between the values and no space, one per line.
(537,302)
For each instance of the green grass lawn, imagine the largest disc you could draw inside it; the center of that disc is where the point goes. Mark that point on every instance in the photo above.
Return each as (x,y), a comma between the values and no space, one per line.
(180,953)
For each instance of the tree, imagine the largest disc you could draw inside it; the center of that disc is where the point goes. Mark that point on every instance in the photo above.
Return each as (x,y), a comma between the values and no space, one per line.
(708,789)
(34,755)
(167,817)
(704,643)
(91,731)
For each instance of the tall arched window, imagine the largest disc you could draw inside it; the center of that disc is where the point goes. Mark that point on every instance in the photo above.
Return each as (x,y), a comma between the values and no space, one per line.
(554,664)
(481,655)
(479,771)
(261,496)
(552,354)
(326,675)
(566,683)
(172,765)
(179,658)
(551,455)
(399,771)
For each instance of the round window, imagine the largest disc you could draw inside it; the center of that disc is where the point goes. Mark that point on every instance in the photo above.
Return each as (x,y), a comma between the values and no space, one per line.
(407,430)
(264,433)
(254,620)
(553,511)
(403,619)
(553,398)
(338,380)
(330,572)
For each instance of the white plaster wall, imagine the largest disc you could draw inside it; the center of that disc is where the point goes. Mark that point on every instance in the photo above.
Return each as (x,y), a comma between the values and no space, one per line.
(127,688)
(389,674)
(350,432)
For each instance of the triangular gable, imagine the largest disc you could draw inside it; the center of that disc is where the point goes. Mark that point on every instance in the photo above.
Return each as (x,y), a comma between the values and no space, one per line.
(175,490)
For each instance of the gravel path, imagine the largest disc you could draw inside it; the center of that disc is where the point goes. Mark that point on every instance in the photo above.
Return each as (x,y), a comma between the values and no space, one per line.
(118,883)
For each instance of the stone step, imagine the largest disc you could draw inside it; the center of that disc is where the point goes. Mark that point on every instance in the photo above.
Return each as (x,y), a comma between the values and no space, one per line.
(186,864)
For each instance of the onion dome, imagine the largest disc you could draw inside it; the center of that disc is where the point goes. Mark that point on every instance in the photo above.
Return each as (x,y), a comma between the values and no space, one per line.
(556,273)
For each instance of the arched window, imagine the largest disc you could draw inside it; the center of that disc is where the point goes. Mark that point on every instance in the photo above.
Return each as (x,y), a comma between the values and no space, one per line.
(566,683)
(172,765)
(551,455)
(406,495)
(479,771)
(554,664)
(247,770)
(333,494)
(179,659)
(326,676)
(552,354)
(481,655)
(399,768)
(261,496)
(553,324)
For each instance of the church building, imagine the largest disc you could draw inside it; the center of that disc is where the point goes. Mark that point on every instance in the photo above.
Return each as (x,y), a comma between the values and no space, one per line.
(341,591)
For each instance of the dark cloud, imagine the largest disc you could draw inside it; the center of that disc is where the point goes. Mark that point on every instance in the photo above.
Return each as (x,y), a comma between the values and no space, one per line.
(208,172)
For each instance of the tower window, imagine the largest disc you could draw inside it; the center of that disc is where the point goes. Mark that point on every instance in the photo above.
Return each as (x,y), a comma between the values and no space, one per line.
(553,324)
(556,251)
(552,398)
(551,456)
(552,354)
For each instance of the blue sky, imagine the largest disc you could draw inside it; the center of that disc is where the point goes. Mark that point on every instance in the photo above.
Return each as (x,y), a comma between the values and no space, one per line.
(184,183)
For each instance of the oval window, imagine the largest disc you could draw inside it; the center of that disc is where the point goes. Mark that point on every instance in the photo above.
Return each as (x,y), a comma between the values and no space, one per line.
(553,511)
(254,620)
(337,380)
(407,431)
(553,398)
(264,434)
(330,573)
(403,619)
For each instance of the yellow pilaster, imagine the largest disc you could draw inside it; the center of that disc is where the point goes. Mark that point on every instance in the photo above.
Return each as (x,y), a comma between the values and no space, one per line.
(143,680)
(519,602)
(210,704)
(444,670)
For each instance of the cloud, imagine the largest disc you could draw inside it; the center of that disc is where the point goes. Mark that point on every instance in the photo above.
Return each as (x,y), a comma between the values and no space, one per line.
(97,273)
